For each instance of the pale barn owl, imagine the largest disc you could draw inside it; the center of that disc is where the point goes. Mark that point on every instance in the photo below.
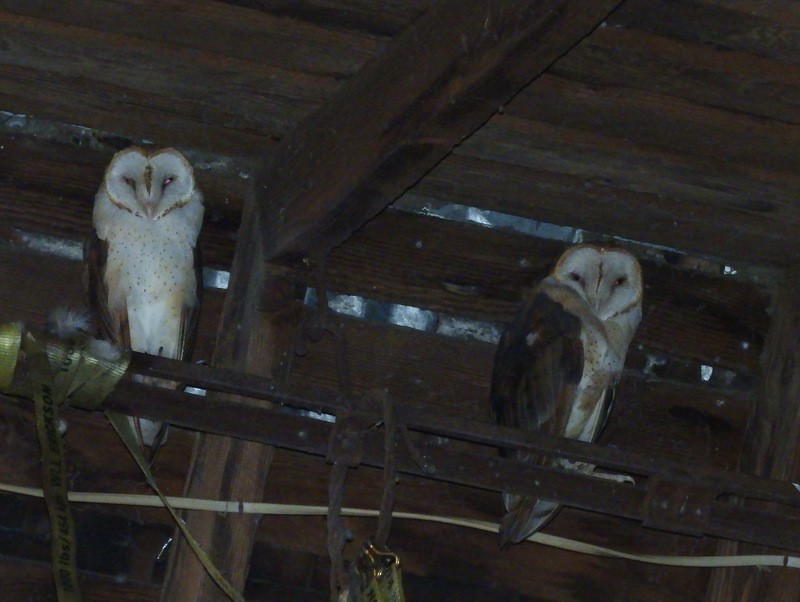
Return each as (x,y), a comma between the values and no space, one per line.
(558,360)
(143,273)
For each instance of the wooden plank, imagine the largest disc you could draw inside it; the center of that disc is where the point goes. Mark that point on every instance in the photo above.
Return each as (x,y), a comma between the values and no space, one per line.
(721,26)
(646,119)
(685,195)
(598,204)
(452,376)
(771,445)
(222,467)
(251,103)
(682,422)
(33,582)
(385,18)
(734,81)
(638,168)
(783,12)
(392,121)
(468,270)
(163,119)
(221,28)
(48,187)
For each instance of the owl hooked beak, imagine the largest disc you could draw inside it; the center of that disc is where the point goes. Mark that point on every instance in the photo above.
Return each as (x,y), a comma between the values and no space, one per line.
(150,208)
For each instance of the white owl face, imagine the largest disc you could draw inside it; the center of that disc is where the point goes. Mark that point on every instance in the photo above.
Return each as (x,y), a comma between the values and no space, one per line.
(609,280)
(149,185)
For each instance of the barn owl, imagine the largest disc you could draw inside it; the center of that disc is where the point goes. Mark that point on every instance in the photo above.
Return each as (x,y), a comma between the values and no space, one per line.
(143,273)
(559,359)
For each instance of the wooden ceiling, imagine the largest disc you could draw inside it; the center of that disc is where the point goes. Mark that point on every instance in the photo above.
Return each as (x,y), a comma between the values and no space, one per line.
(674,124)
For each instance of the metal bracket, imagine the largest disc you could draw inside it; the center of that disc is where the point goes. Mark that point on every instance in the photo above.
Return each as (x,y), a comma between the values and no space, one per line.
(678,506)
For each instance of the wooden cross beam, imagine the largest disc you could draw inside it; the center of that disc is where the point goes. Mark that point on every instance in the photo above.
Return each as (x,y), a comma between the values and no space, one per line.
(441,79)
(222,467)
(772,449)
(670,497)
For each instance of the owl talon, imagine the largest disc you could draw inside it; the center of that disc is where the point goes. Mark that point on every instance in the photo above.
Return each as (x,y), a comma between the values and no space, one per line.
(617,478)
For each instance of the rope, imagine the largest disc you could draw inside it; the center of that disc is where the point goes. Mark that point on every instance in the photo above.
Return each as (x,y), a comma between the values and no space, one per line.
(125,499)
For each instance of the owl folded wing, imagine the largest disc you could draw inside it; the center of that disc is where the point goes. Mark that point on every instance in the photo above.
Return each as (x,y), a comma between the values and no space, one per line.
(112,324)
(538,366)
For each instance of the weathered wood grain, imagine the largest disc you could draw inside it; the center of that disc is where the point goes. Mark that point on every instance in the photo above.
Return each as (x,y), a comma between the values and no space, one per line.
(599,204)
(759,203)
(468,270)
(640,118)
(223,467)
(721,26)
(734,81)
(392,122)
(783,12)
(383,18)
(757,193)
(771,444)
(33,582)
(166,120)
(221,28)
(154,90)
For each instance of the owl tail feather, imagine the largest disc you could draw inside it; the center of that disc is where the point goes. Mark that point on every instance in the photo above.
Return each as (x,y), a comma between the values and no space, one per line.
(149,433)
(525,517)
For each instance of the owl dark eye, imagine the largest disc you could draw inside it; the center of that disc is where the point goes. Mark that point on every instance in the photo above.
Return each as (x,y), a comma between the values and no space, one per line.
(576,277)
(167,181)
(129,181)
(620,281)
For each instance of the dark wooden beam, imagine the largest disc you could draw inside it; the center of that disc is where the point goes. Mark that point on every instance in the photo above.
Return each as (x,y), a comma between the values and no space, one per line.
(771,446)
(223,467)
(435,84)
(100,463)
(485,470)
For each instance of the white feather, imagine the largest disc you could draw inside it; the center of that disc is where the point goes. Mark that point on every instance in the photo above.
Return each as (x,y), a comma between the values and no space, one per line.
(64,322)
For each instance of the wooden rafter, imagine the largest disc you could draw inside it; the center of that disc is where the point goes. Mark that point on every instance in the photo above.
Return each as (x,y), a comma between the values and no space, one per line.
(434,85)
(771,447)
(223,467)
